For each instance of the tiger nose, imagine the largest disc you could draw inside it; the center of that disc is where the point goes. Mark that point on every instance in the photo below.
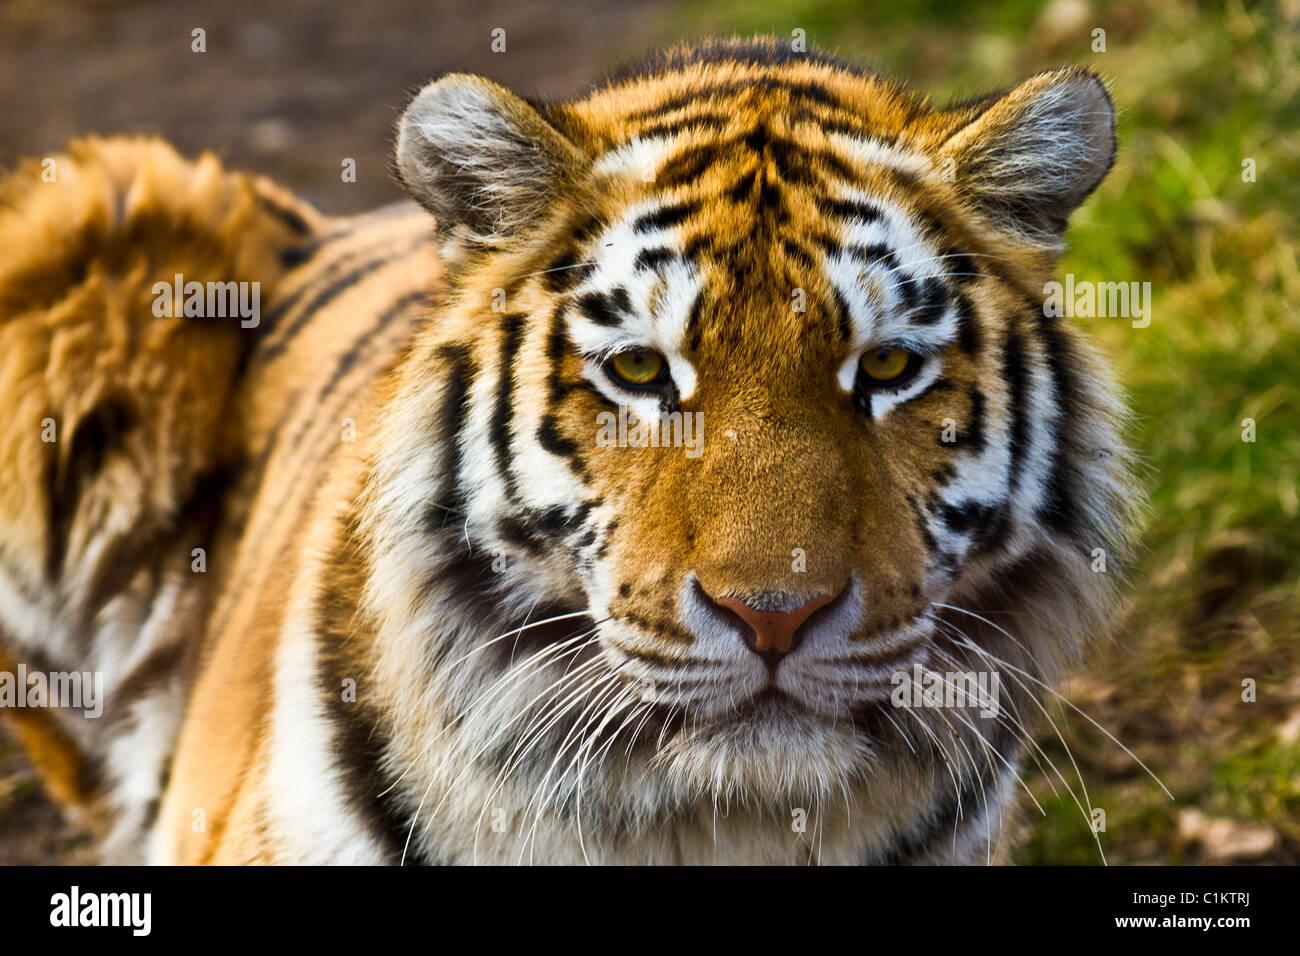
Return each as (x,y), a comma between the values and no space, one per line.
(774,621)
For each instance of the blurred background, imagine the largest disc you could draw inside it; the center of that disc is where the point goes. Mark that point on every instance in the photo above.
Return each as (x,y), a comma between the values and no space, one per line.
(1201,204)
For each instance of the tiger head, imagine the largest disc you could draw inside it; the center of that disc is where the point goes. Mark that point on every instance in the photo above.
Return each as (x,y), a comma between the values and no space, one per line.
(744,366)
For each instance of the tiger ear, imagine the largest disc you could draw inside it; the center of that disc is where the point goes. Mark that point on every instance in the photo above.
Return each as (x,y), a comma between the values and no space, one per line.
(1032,157)
(483,161)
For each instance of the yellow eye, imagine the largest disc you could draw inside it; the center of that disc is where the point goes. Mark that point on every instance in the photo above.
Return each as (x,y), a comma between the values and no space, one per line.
(637,367)
(886,365)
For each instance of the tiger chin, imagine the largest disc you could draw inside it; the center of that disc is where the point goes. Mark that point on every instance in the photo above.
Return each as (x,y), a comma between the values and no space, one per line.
(365,585)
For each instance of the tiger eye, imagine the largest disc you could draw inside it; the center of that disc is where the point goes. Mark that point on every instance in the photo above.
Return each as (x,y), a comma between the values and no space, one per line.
(637,366)
(885,365)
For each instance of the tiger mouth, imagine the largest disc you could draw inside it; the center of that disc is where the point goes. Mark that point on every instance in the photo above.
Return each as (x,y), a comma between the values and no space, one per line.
(769,703)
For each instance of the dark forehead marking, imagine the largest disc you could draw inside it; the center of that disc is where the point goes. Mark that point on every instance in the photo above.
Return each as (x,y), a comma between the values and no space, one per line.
(689,164)
(801,256)
(968,330)
(743,187)
(797,163)
(699,245)
(707,95)
(780,161)
(666,217)
(932,302)
(653,257)
(694,121)
(694,327)
(852,209)
(605,308)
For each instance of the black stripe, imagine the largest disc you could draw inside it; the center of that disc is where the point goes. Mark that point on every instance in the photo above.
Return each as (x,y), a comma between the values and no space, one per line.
(1060,511)
(870,255)
(743,187)
(853,209)
(968,331)
(675,127)
(360,734)
(940,823)
(798,91)
(697,245)
(994,533)
(512,325)
(654,258)
(799,254)
(844,322)
(600,308)
(862,397)
(281,338)
(771,200)
(618,296)
(539,529)
(98,432)
(345,362)
(549,437)
(349,358)
(688,165)
(965,518)
(1015,374)
(190,525)
(273,346)
(938,385)
(961,266)
(854,129)
(295,256)
(943,475)
(548,431)
(565,272)
(453,417)
(908,289)
(694,327)
(922,524)
(290,217)
(665,217)
(568,270)
(933,303)
(327,272)
(159,666)
(800,165)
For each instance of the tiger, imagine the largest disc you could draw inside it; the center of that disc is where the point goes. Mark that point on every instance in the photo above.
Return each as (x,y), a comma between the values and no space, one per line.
(599,503)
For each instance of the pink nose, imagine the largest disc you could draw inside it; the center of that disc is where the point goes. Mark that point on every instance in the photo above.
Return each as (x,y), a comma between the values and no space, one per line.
(774,633)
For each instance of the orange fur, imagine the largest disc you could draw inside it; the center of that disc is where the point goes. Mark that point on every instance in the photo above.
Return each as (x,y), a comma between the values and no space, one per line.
(365,555)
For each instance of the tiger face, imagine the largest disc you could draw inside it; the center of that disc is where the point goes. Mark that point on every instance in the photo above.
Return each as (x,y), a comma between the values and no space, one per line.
(749,367)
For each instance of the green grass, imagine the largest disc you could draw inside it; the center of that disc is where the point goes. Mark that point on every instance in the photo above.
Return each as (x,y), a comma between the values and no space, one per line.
(1200,87)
